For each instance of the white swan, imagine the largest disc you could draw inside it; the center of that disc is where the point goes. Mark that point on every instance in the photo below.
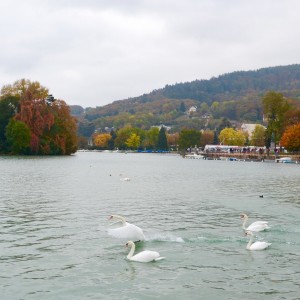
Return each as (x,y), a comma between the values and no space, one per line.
(124,178)
(255,226)
(257,245)
(144,256)
(126,231)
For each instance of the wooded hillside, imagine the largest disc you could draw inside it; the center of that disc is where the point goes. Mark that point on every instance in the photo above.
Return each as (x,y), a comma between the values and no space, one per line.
(235,96)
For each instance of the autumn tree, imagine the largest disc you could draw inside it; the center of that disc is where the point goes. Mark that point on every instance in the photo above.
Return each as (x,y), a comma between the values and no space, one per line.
(291,138)
(258,136)
(22,86)
(133,142)
(172,139)
(63,137)
(52,128)
(101,140)
(207,138)
(230,136)
(36,114)
(291,117)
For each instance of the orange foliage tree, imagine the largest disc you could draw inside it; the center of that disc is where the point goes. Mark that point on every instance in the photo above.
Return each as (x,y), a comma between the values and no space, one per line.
(101,140)
(207,138)
(172,139)
(291,138)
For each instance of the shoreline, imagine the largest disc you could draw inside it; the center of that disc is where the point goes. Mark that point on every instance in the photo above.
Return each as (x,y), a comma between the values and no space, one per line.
(250,156)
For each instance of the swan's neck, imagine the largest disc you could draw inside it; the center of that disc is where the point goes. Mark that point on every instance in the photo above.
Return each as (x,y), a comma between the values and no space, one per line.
(250,242)
(130,254)
(244,224)
(120,218)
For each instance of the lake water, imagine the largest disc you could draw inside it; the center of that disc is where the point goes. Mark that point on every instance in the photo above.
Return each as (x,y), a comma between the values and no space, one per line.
(54,216)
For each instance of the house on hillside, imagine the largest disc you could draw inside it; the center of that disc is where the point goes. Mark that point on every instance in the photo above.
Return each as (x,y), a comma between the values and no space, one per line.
(167,128)
(191,110)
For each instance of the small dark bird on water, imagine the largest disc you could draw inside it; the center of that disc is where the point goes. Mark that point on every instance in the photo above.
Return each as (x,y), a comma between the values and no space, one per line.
(261,196)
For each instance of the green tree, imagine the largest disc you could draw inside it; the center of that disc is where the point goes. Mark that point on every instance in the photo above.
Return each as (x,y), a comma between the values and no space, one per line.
(8,108)
(216,139)
(188,138)
(151,138)
(125,133)
(86,128)
(274,108)
(18,137)
(204,108)
(182,107)
(162,143)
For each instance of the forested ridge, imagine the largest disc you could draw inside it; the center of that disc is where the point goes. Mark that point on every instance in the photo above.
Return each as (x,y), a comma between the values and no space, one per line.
(235,96)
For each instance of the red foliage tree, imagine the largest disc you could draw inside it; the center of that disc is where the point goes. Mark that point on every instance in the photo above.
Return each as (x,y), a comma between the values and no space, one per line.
(52,128)
(36,114)
(291,138)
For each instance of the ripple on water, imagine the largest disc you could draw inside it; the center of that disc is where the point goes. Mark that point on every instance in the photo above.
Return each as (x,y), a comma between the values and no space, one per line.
(54,244)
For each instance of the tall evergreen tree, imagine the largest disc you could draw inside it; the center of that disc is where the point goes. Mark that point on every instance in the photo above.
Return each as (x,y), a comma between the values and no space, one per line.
(216,140)
(162,143)
(182,107)
(111,142)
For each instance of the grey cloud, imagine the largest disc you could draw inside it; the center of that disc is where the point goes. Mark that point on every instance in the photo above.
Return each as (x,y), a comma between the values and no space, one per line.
(93,52)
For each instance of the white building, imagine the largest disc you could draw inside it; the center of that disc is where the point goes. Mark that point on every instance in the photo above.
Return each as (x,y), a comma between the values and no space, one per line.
(249,128)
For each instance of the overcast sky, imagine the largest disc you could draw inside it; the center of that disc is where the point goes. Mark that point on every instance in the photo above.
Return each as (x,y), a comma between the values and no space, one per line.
(93,52)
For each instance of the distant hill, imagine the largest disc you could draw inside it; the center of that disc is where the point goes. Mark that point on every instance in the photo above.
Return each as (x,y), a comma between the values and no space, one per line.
(236,96)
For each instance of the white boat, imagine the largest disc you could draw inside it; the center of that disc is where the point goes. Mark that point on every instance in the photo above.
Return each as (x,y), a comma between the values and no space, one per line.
(194,156)
(284,160)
